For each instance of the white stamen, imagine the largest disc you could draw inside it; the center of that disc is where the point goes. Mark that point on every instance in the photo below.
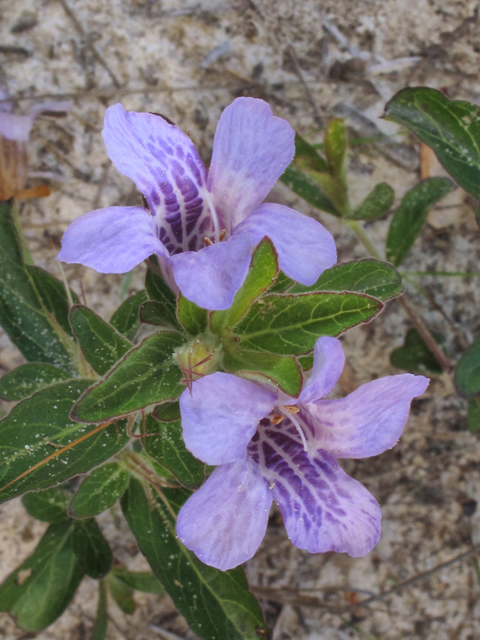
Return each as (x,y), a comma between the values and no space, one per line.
(216,226)
(287,414)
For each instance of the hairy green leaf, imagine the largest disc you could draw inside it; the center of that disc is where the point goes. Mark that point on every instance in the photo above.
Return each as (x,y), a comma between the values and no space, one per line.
(143,581)
(126,318)
(147,375)
(375,204)
(191,317)
(215,604)
(291,324)
(415,356)
(283,371)
(467,374)
(49,505)
(99,491)
(40,445)
(375,278)
(29,378)
(410,216)
(450,127)
(40,589)
(92,550)
(159,291)
(101,344)
(304,186)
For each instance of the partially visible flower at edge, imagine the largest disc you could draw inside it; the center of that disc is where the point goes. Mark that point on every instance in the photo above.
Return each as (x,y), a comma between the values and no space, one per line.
(269,445)
(14,134)
(202,227)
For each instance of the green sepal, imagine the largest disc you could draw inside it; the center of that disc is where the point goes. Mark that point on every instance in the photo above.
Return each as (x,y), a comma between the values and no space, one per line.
(49,505)
(191,317)
(99,491)
(261,275)
(291,324)
(40,589)
(92,550)
(415,356)
(101,344)
(126,318)
(467,373)
(409,218)
(283,371)
(373,277)
(165,444)
(216,604)
(450,127)
(41,446)
(376,204)
(28,378)
(147,375)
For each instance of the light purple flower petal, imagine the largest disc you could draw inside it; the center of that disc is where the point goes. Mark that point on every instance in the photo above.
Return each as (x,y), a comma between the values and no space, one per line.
(369,420)
(212,276)
(328,363)
(224,522)
(305,248)
(251,150)
(221,414)
(323,508)
(165,166)
(15,127)
(112,240)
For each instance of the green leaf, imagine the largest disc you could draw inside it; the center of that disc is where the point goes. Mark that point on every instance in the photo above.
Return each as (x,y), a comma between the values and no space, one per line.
(306,187)
(467,373)
(126,318)
(335,144)
(158,290)
(261,275)
(415,356)
(473,415)
(122,593)
(40,445)
(410,216)
(53,295)
(309,156)
(28,378)
(40,589)
(101,344)
(167,412)
(99,491)
(375,204)
(306,362)
(92,550)
(282,284)
(373,277)
(450,127)
(99,630)
(215,604)
(191,317)
(28,322)
(283,371)
(291,324)
(49,505)
(147,375)
(153,312)
(168,448)
(143,581)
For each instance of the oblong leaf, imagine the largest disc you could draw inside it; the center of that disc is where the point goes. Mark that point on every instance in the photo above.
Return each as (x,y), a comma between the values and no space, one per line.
(154,312)
(376,204)
(49,505)
(126,318)
(92,550)
(375,278)
(410,216)
(165,444)
(305,187)
(99,491)
(101,344)
(147,375)
(215,604)
(158,290)
(29,378)
(415,356)
(283,371)
(261,275)
(291,324)
(450,127)
(40,445)
(40,589)
(191,317)
(467,373)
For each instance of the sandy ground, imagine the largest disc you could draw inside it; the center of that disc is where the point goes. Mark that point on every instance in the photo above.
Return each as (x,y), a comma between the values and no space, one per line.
(310,60)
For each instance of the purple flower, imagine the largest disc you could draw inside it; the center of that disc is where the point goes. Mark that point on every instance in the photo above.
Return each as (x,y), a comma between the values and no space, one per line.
(190,212)
(269,445)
